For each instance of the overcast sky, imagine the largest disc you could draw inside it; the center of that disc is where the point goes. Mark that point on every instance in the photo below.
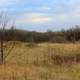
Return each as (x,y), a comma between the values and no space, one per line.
(42,15)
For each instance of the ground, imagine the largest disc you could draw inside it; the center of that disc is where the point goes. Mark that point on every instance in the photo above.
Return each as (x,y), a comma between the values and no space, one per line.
(35,62)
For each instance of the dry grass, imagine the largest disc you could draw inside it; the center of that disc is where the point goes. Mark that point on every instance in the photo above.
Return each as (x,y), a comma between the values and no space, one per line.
(28,63)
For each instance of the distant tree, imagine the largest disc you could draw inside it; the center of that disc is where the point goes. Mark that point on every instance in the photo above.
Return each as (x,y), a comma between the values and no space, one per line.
(73,34)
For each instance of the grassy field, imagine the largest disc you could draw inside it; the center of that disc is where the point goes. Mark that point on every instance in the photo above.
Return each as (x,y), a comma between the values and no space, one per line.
(42,62)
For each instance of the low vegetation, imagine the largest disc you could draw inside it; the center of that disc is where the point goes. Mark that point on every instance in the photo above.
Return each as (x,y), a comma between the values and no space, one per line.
(46,61)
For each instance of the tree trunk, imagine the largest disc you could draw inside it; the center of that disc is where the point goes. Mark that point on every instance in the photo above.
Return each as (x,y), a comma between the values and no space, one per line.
(2,50)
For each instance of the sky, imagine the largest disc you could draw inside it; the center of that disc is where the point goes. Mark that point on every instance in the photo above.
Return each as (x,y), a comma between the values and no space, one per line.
(42,15)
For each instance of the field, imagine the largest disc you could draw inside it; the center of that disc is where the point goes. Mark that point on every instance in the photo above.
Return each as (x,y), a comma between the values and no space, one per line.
(44,61)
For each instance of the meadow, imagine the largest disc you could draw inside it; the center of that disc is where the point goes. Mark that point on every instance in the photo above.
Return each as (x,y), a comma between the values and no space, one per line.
(45,61)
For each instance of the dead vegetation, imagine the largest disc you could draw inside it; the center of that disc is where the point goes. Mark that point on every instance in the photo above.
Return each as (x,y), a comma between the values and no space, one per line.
(45,62)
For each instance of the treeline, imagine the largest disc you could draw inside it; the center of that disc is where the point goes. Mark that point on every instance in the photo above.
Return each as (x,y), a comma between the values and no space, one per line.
(70,35)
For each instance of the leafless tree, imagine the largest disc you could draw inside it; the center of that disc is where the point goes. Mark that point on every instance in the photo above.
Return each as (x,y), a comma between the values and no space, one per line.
(3,24)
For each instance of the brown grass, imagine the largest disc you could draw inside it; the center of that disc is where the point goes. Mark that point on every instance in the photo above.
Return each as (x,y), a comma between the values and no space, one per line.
(44,62)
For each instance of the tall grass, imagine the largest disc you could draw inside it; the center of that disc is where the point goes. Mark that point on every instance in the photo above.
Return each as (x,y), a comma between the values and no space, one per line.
(42,62)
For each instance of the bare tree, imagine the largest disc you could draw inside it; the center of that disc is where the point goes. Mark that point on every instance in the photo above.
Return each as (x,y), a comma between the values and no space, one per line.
(3,25)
